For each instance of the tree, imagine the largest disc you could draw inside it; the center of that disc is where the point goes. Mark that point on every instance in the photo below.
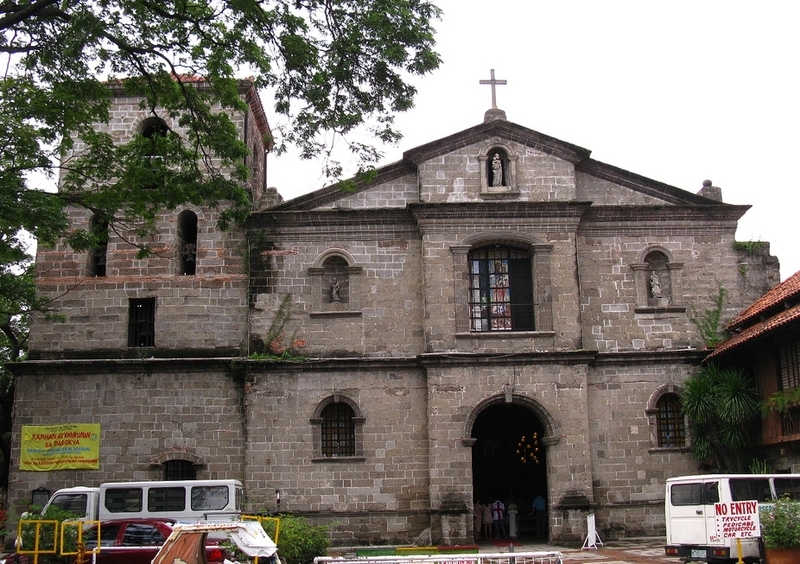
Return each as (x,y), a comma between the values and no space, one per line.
(722,407)
(333,65)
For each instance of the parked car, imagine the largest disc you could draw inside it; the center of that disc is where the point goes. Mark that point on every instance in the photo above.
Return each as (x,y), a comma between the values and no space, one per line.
(130,541)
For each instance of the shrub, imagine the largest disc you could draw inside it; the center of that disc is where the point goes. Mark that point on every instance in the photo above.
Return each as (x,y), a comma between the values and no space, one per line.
(300,542)
(780,524)
(48,534)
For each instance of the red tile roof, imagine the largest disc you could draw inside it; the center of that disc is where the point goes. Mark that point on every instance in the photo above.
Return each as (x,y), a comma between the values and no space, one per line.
(753,332)
(767,314)
(786,290)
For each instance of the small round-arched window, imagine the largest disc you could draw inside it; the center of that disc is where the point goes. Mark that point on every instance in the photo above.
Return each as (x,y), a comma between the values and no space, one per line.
(179,470)
(187,241)
(670,428)
(338,430)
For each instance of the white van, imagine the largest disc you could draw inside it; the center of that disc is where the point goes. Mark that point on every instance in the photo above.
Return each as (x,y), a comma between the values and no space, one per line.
(691,518)
(186,501)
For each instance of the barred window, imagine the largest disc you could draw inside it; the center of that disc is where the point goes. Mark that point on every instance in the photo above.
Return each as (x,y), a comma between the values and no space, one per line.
(142,322)
(338,431)
(789,366)
(500,290)
(669,422)
(179,470)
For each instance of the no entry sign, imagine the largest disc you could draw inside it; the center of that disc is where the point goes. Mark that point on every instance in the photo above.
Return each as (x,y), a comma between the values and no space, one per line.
(737,519)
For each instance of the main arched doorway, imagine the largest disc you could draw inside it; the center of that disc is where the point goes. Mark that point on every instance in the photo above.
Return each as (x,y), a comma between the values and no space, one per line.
(508,459)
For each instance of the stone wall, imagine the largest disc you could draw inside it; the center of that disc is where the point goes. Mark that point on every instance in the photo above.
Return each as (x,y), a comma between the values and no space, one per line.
(145,409)
(206,311)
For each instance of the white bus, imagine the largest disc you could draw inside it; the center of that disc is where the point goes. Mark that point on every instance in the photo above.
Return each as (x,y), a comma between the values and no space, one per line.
(691,518)
(186,501)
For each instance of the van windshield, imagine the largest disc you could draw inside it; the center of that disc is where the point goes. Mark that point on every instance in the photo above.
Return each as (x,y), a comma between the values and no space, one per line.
(74,503)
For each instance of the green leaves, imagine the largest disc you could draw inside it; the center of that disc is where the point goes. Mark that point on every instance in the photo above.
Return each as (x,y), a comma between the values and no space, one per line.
(332,67)
(721,404)
(780,524)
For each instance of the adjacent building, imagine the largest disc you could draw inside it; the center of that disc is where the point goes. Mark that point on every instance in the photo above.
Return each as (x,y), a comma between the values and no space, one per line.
(764,341)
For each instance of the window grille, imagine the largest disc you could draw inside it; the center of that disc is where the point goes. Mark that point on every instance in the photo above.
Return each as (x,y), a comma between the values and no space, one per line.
(501,290)
(790,422)
(179,470)
(789,364)
(669,422)
(141,323)
(338,431)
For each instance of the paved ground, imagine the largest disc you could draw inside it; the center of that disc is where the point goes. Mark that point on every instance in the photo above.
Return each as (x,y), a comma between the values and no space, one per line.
(627,551)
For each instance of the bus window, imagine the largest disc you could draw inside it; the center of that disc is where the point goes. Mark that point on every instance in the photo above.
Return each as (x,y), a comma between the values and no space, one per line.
(746,489)
(166,499)
(686,494)
(124,500)
(787,486)
(697,493)
(711,493)
(209,498)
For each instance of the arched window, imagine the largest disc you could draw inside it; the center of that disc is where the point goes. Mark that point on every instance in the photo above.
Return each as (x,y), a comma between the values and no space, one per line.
(154,129)
(98,254)
(179,470)
(338,430)
(670,428)
(187,241)
(500,289)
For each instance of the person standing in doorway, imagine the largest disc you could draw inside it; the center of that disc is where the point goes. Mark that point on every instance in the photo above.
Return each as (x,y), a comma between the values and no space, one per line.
(499,519)
(539,513)
(487,521)
(477,520)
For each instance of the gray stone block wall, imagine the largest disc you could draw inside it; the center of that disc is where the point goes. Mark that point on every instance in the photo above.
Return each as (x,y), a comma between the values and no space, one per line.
(629,467)
(205,311)
(143,410)
(389,475)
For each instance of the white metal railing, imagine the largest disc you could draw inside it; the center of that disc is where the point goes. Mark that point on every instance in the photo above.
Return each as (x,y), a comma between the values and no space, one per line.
(553,557)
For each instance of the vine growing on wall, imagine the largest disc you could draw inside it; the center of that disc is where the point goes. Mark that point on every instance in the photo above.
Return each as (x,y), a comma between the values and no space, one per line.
(707,321)
(276,346)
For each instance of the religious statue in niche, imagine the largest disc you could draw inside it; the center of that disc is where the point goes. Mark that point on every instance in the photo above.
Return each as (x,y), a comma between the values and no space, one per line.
(335,297)
(656,291)
(655,286)
(497,170)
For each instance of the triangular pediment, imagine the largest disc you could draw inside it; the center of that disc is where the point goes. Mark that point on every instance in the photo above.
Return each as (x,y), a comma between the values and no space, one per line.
(402,177)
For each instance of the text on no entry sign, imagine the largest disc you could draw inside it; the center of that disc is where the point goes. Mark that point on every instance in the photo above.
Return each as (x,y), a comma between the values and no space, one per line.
(737,519)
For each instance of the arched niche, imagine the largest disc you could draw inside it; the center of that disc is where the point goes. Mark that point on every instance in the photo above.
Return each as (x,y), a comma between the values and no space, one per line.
(498,166)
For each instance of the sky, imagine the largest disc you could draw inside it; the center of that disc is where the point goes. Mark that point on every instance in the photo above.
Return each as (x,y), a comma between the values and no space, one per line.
(678,92)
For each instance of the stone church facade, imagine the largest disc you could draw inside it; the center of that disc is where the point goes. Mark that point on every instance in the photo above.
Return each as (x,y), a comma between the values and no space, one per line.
(495,316)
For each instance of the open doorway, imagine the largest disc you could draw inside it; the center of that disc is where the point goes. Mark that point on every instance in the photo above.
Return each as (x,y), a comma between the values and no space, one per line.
(508,460)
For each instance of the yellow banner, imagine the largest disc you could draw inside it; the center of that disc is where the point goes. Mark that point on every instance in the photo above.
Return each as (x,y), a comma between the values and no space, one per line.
(73,446)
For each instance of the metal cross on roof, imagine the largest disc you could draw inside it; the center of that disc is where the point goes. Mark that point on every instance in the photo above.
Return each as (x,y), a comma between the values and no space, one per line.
(493,82)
